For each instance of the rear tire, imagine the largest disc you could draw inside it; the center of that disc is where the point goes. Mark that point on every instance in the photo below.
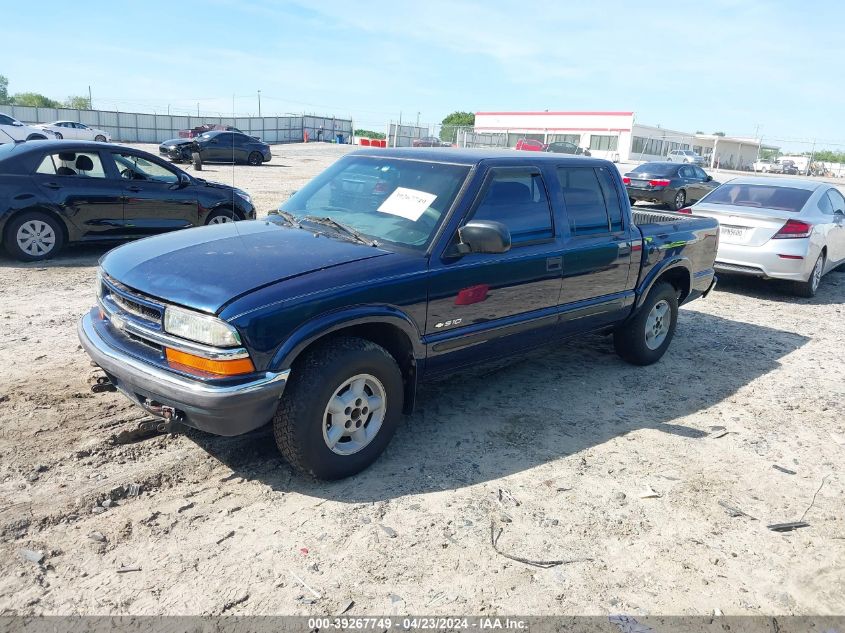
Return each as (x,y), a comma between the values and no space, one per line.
(644,339)
(255,159)
(810,287)
(303,425)
(59,136)
(34,236)
(679,201)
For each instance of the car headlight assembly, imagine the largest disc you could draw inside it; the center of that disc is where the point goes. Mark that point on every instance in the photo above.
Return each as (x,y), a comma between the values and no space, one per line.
(200,328)
(244,195)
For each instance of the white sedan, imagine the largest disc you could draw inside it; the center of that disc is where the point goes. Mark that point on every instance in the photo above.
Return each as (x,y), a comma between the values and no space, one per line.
(75,131)
(13,131)
(778,228)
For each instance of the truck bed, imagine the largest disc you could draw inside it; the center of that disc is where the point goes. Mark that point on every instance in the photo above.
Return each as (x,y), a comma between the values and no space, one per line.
(655,217)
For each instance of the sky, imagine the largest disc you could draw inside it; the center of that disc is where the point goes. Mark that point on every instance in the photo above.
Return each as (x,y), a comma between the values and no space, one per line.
(741,67)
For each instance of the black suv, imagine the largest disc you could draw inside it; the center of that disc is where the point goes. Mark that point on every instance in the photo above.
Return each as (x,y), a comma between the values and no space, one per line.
(56,192)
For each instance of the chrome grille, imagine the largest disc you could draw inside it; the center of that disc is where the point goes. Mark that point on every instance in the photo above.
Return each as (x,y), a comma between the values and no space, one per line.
(138,309)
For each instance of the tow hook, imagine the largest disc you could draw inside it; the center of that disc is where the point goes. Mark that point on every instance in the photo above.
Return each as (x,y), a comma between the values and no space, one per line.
(103,384)
(171,418)
(168,420)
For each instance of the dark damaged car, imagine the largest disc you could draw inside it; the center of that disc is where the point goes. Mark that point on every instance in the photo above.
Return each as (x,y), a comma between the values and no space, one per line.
(217,146)
(388,269)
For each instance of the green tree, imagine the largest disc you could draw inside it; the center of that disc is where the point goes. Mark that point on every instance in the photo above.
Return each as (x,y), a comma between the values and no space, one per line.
(369,134)
(451,123)
(829,156)
(35,100)
(77,103)
(718,133)
(4,90)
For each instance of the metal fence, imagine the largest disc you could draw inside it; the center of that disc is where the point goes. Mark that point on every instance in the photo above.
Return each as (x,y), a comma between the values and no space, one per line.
(137,127)
(404,135)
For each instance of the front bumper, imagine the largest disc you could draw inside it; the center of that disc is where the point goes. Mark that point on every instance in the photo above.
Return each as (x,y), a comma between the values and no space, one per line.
(223,409)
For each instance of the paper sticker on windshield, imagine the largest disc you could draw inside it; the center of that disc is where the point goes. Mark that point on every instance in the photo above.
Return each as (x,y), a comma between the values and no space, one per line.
(407,203)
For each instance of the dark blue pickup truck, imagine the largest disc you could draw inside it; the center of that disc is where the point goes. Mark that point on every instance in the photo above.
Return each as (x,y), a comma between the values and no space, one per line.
(390,267)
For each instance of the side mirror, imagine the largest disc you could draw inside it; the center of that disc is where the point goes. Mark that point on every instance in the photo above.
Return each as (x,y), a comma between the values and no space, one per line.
(709,178)
(184,181)
(839,212)
(484,236)
(17,124)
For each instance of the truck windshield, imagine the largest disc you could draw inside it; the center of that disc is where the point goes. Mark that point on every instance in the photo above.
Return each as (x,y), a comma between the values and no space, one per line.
(386,199)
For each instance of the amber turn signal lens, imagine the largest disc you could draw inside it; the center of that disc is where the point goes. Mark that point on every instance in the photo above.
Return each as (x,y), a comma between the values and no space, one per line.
(206,365)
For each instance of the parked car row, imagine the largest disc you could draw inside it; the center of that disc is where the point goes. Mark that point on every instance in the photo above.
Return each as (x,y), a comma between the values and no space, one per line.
(12,130)
(556,147)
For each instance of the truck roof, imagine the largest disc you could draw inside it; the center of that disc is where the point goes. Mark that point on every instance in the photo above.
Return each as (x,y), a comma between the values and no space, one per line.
(469,156)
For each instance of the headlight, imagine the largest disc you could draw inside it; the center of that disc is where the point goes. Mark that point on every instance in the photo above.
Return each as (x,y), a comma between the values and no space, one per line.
(200,328)
(244,195)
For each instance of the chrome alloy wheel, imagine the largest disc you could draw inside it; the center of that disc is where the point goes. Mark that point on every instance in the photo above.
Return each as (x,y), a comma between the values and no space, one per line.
(354,414)
(657,324)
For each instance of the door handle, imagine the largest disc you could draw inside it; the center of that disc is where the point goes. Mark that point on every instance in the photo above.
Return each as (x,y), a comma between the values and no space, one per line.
(624,248)
(553,264)
(133,188)
(52,185)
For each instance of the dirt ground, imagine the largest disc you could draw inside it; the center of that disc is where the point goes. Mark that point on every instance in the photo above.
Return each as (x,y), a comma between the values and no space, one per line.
(569,455)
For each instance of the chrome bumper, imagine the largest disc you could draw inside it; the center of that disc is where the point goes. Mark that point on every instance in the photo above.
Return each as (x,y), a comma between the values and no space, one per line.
(222,409)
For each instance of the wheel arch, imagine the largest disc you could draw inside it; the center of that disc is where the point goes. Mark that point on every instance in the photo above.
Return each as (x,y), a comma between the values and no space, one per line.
(223,206)
(677,272)
(385,326)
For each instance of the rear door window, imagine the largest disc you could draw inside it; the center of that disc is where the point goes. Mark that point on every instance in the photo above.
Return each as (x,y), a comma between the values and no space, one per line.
(611,199)
(517,198)
(74,164)
(585,201)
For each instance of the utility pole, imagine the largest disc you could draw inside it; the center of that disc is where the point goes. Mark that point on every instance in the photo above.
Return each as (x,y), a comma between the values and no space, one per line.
(759,145)
(812,155)
(198,109)
(259,104)
(90,101)
(418,119)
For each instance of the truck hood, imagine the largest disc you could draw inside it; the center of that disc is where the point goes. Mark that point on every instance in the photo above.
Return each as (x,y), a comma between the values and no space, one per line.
(207,267)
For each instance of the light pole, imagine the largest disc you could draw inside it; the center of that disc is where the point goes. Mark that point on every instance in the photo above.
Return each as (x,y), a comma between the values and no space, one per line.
(259,104)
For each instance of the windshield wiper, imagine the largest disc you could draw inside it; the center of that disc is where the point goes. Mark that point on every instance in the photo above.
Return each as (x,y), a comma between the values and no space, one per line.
(287,216)
(342,228)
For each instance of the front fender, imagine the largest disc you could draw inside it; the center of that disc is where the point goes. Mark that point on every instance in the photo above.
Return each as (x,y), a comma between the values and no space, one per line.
(671,263)
(330,322)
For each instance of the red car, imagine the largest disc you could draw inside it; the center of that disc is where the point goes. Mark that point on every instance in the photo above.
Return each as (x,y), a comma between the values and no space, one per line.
(530,145)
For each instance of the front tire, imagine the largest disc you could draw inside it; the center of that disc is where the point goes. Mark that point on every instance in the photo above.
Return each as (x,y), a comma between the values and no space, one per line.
(810,287)
(34,236)
(100,138)
(644,339)
(340,408)
(255,159)
(221,216)
(59,136)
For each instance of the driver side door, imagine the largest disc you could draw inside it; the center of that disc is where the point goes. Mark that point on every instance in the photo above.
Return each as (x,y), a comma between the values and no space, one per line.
(155,201)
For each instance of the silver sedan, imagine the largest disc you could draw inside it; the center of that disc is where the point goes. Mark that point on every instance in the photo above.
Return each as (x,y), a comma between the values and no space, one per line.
(778,228)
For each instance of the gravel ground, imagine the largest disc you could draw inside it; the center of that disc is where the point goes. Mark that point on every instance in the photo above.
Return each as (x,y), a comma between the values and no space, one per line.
(567,455)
